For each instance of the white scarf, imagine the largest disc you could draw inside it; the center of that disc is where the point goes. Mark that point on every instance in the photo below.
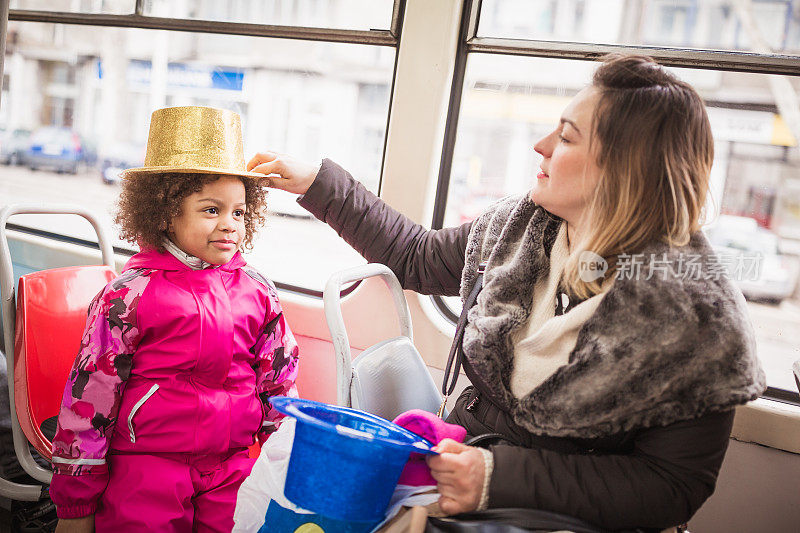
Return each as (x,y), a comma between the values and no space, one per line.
(195,263)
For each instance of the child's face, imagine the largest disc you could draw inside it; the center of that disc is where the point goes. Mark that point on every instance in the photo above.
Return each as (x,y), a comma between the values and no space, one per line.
(211,223)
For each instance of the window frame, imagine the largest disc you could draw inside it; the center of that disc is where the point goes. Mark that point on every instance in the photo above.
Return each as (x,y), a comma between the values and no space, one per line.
(469,42)
(138,20)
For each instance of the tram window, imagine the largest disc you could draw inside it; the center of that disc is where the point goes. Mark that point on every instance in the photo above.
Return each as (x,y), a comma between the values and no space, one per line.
(509,102)
(89,92)
(707,24)
(341,14)
(111,7)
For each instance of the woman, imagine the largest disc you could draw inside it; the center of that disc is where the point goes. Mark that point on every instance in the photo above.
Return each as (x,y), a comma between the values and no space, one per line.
(613,387)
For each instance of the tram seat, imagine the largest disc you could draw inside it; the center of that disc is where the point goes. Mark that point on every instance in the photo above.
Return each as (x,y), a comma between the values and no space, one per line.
(51,317)
(316,377)
(390,377)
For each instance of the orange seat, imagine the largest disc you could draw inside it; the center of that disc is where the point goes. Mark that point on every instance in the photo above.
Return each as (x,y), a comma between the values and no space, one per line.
(316,376)
(51,316)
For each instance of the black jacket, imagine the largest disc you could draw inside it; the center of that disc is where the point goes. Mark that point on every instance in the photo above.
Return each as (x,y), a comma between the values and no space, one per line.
(652,478)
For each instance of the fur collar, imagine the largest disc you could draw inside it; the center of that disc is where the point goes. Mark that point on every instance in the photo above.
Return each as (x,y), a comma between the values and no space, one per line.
(655,351)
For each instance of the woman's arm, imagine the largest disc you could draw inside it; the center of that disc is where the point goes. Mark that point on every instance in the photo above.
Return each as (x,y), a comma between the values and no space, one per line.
(425,261)
(662,483)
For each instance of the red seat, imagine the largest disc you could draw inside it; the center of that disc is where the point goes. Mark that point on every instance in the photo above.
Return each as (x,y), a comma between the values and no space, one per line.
(316,378)
(51,316)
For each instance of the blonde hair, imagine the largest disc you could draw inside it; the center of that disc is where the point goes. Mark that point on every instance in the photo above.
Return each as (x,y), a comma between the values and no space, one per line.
(654,148)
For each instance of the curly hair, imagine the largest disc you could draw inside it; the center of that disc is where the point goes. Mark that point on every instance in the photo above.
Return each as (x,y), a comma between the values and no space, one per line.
(148,203)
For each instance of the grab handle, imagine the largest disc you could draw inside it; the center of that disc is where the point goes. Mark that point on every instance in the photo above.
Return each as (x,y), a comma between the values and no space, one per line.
(8,211)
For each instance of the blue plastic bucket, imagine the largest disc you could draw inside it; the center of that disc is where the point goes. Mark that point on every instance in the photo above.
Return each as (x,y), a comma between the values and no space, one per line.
(345,463)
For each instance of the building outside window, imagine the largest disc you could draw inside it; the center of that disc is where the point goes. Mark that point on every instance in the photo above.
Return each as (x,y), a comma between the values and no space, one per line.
(92,90)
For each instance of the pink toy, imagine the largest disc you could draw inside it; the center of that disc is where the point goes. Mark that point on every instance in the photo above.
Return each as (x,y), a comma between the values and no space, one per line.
(432,428)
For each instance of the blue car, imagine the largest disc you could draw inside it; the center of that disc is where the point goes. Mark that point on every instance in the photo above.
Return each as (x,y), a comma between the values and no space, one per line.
(58,148)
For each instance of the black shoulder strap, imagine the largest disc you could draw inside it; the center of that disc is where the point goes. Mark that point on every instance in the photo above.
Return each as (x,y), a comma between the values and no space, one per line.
(457,349)
(512,520)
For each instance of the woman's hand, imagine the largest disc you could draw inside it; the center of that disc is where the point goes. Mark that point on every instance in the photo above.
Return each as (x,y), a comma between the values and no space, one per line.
(76,525)
(459,471)
(297,175)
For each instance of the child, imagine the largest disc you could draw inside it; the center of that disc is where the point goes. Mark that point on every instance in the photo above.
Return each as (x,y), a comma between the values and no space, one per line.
(182,352)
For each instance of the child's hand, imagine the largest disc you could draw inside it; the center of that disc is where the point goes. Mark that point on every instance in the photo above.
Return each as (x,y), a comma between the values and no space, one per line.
(76,525)
(298,175)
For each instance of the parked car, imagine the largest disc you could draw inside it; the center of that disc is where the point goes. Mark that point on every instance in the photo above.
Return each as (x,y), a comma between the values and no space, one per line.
(285,204)
(119,157)
(765,274)
(13,145)
(62,149)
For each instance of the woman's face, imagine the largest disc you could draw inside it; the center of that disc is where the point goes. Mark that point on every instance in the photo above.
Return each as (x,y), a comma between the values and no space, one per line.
(569,172)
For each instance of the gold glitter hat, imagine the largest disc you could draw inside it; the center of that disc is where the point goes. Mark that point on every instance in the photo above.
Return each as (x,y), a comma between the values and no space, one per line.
(193,139)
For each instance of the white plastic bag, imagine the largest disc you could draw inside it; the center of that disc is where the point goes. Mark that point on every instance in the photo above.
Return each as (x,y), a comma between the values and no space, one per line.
(266,481)
(408,496)
(268,477)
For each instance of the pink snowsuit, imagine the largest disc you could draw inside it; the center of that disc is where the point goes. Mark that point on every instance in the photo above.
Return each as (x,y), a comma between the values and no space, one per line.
(171,385)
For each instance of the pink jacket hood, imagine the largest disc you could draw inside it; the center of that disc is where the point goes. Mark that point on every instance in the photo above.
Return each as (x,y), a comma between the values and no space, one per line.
(152,258)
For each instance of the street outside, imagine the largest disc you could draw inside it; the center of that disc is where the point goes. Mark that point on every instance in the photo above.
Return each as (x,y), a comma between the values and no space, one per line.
(305,252)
